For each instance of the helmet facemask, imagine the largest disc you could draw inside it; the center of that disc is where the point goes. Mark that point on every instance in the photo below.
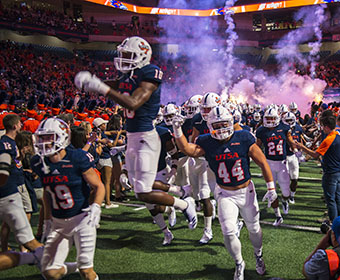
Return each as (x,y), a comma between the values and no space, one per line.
(220,123)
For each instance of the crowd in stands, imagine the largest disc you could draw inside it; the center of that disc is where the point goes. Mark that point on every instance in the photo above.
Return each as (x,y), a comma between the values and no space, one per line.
(42,17)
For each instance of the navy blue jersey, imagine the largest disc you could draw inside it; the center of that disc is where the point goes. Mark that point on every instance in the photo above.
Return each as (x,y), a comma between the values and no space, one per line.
(142,119)
(65,183)
(296,133)
(165,135)
(187,128)
(16,176)
(200,124)
(253,124)
(274,141)
(229,160)
(166,126)
(245,127)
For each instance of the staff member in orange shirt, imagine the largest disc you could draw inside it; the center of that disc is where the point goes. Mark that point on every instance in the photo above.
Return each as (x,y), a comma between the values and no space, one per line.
(329,149)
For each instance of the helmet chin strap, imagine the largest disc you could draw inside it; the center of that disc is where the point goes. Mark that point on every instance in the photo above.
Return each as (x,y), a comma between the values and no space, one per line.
(45,168)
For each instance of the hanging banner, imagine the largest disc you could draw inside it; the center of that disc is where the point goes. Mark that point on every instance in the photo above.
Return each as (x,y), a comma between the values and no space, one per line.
(210,12)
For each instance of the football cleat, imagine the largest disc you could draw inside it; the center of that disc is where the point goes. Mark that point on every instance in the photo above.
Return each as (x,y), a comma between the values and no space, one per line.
(213,203)
(172,217)
(260,266)
(291,200)
(190,213)
(207,236)
(285,207)
(111,206)
(240,225)
(278,221)
(168,237)
(186,191)
(239,271)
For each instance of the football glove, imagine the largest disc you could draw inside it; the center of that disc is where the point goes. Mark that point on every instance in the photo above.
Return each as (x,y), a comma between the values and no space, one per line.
(94,213)
(123,179)
(271,196)
(87,82)
(116,150)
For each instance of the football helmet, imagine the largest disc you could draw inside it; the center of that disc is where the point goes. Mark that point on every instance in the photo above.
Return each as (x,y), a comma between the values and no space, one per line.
(257,116)
(271,118)
(283,109)
(220,123)
(169,112)
(237,116)
(51,136)
(134,52)
(293,107)
(192,106)
(251,109)
(289,119)
(209,101)
(257,107)
(159,117)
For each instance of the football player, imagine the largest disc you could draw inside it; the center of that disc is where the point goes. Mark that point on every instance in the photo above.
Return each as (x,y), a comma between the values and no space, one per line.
(11,179)
(66,174)
(292,159)
(275,135)
(138,90)
(199,173)
(227,153)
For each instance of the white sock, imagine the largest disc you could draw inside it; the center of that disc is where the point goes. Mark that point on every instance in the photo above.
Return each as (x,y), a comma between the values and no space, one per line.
(207,223)
(26,258)
(292,194)
(159,219)
(176,190)
(180,204)
(277,212)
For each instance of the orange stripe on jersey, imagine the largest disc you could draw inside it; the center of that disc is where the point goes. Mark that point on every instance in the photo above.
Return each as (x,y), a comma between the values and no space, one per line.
(326,143)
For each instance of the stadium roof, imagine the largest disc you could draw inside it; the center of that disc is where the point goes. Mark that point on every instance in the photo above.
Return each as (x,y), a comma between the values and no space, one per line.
(191,4)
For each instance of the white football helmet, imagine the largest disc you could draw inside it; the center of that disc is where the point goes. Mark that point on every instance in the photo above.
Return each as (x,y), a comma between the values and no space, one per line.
(257,107)
(237,116)
(293,107)
(159,117)
(289,119)
(192,106)
(51,136)
(209,101)
(134,52)
(169,112)
(271,118)
(283,109)
(251,109)
(257,116)
(220,123)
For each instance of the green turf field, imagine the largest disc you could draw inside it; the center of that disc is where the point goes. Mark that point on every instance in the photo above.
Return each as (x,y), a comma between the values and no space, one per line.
(129,245)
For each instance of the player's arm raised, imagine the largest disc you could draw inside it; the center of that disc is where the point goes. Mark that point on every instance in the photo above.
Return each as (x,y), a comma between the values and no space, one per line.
(85,81)
(189,149)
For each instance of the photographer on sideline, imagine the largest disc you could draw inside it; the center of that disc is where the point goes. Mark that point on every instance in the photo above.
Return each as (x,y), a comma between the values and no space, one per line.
(322,263)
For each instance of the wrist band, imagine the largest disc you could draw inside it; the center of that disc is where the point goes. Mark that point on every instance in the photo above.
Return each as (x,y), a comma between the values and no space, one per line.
(89,143)
(177,132)
(270,186)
